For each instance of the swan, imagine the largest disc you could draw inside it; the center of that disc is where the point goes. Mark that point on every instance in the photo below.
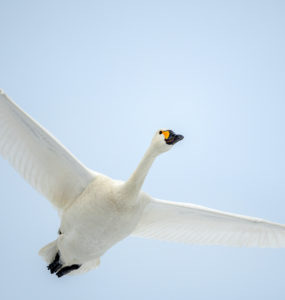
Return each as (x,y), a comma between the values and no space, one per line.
(97,211)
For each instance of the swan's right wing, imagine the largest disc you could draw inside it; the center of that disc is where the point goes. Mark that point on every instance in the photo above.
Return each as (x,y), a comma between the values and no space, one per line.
(198,225)
(41,159)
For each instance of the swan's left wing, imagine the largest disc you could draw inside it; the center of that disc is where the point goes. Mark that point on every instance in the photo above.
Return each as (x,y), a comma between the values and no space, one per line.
(198,225)
(40,158)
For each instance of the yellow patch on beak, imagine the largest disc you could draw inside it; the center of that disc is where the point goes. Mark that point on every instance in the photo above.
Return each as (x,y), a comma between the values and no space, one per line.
(166,134)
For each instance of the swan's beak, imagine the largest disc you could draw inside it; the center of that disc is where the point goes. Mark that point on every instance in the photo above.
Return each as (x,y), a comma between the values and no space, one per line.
(171,138)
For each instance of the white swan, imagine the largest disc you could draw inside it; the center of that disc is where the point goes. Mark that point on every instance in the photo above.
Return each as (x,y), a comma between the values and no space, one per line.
(97,211)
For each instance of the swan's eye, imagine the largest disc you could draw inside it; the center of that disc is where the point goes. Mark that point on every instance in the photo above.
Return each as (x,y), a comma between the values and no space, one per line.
(160,132)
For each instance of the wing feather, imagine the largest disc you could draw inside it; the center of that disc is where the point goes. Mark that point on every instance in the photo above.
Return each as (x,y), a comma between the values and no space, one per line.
(41,159)
(198,225)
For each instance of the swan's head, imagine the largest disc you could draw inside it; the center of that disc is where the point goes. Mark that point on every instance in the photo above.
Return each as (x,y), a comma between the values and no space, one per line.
(164,139)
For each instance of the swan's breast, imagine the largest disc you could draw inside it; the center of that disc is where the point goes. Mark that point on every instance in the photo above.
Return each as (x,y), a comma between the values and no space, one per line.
(101,216)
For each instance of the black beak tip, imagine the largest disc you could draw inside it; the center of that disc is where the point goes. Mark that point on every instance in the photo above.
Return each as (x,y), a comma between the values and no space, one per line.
(180,137)
(174,138)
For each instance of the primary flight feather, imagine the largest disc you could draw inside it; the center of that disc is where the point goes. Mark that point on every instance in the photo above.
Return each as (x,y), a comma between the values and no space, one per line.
(97,211)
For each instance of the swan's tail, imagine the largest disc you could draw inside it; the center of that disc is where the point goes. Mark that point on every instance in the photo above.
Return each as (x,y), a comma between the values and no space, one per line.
(49,252)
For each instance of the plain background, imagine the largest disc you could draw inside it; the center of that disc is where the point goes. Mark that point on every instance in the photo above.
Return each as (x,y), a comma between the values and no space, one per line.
(103,76)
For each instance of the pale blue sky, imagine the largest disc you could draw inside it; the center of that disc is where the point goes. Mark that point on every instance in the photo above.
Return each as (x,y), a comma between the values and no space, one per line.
(102,76)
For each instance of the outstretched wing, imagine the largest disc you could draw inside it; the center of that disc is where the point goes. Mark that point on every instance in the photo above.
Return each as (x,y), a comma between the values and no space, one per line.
(41,159)
(198,225)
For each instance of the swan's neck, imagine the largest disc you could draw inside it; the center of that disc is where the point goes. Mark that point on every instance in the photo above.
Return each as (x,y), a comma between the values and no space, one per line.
(135,182)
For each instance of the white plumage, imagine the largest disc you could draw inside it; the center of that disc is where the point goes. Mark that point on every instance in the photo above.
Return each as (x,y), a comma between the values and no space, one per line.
(97,211)
(46,164)
(198,225)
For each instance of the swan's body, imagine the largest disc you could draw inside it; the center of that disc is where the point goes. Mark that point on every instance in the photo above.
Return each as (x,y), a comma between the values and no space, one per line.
(102,216)
(97,211)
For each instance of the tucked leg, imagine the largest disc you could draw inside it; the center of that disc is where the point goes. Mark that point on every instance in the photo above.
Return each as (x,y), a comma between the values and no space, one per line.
(55,265)
(66,270)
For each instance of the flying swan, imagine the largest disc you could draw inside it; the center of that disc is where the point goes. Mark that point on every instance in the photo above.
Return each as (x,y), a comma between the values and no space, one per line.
(97,211)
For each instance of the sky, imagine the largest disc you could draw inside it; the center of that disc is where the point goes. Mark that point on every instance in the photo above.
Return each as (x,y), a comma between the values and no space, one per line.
(103,76)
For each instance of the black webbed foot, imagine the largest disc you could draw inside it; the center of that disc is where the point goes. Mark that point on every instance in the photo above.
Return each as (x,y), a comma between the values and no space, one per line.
(66,270)
(55,265)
